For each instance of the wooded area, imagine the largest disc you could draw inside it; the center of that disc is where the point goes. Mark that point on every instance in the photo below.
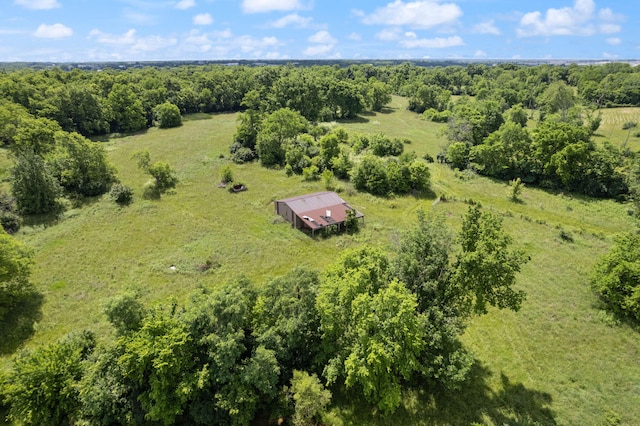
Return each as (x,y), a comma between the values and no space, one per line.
(373,323)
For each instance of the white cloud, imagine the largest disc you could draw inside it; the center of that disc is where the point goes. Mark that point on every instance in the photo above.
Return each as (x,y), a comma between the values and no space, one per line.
(53,31)
(38,4)
(292,19)
(203,19)
(139,18)
(486,28)
(260,6)
(224,45)
(389,34)
(185,4)
(614,41)
(318,50)
(132,42)
(354,37)
(480,54)
(113,39)
(422,14)
(322,37)
(432,43)
(576,20)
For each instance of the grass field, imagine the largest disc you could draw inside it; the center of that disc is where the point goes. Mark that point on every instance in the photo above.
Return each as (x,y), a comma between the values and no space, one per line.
(557,361)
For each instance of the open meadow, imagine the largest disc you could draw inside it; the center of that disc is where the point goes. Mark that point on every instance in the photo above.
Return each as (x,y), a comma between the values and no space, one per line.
(559,360)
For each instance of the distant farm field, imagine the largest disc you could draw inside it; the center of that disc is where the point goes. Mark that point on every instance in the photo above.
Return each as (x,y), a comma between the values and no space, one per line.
(557,361)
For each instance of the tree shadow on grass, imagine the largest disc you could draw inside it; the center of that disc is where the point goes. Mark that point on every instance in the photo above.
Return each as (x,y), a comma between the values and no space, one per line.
(17,326)
(474,403)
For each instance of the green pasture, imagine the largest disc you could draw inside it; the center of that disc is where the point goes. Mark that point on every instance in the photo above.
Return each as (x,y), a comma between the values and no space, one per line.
(559,360)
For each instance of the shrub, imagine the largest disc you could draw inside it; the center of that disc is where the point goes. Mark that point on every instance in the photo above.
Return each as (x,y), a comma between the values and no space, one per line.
(243,155)
(310,397)
(121,194)
(167,115)
(150,190)
(9,218)
(310,173)
(328,180)
(616,277)
(629,125)
(226,174)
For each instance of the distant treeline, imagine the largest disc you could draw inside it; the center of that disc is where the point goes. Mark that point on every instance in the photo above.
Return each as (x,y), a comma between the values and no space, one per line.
(477,101)
(117,99)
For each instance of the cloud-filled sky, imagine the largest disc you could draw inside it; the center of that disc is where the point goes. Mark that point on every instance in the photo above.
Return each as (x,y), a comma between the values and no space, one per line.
(130,30)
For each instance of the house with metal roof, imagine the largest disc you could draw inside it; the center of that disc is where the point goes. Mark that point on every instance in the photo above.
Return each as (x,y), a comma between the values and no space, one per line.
(315,212)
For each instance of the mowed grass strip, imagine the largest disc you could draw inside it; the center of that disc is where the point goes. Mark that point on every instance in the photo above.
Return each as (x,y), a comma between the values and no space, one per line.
(555,361)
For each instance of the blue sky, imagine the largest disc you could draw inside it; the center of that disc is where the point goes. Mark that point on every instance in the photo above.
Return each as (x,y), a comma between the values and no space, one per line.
(130,30)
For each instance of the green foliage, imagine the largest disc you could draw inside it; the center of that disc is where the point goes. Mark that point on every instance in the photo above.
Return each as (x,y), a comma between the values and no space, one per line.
(121,194)
(15,269)
(126,113)
(310,397)
(516,186)
(351,222)
(34,185)
(383,146)
(458,155)
(558,97)
(9,218)
(226,174)
(80,165)
(167,115)
(164,176)
(328,179)
(370,175)
(616,277)
(125,313)
(43,385)
(486,267)
(286,321)
(629,125)
(276,130)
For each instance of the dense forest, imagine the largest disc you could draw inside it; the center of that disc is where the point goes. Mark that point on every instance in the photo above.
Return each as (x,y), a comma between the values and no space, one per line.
(372,323)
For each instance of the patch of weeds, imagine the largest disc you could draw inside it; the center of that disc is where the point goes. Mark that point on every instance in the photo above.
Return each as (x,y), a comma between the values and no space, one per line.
(208,264)
(566,236)
(608,318)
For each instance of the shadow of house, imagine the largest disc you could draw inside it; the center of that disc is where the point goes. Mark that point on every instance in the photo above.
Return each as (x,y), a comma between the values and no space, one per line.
(316,212)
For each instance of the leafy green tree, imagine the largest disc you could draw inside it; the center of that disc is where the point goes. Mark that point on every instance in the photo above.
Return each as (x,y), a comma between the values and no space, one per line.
(126,113)
(310,397)
(558,97)
(9,218)
(78,108)
(80,165)
(616,277)
(11,117)
(373,336)
(15,268)
(42,387)
(370,175)
(276,130)
(34,184)
(378,94)
(486,266)
(36,136)
(125,313)
(458,155)
(163,174)
(158,360)
(167,115)
(286,321)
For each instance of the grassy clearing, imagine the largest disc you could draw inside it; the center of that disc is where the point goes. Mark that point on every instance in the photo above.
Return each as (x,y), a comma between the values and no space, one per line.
(611,127)
(554,362)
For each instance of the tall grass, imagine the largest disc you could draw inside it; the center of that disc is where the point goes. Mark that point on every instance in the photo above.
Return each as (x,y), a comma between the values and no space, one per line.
(554,362)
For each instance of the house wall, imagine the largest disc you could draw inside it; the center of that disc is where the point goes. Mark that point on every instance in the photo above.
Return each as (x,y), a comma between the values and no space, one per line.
(285,211)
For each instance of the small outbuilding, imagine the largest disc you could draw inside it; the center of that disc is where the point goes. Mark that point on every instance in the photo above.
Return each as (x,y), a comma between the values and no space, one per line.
(315,212)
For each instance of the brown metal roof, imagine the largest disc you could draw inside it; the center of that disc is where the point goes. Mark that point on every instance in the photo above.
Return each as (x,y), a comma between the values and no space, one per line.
(312,209)
(318,200)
